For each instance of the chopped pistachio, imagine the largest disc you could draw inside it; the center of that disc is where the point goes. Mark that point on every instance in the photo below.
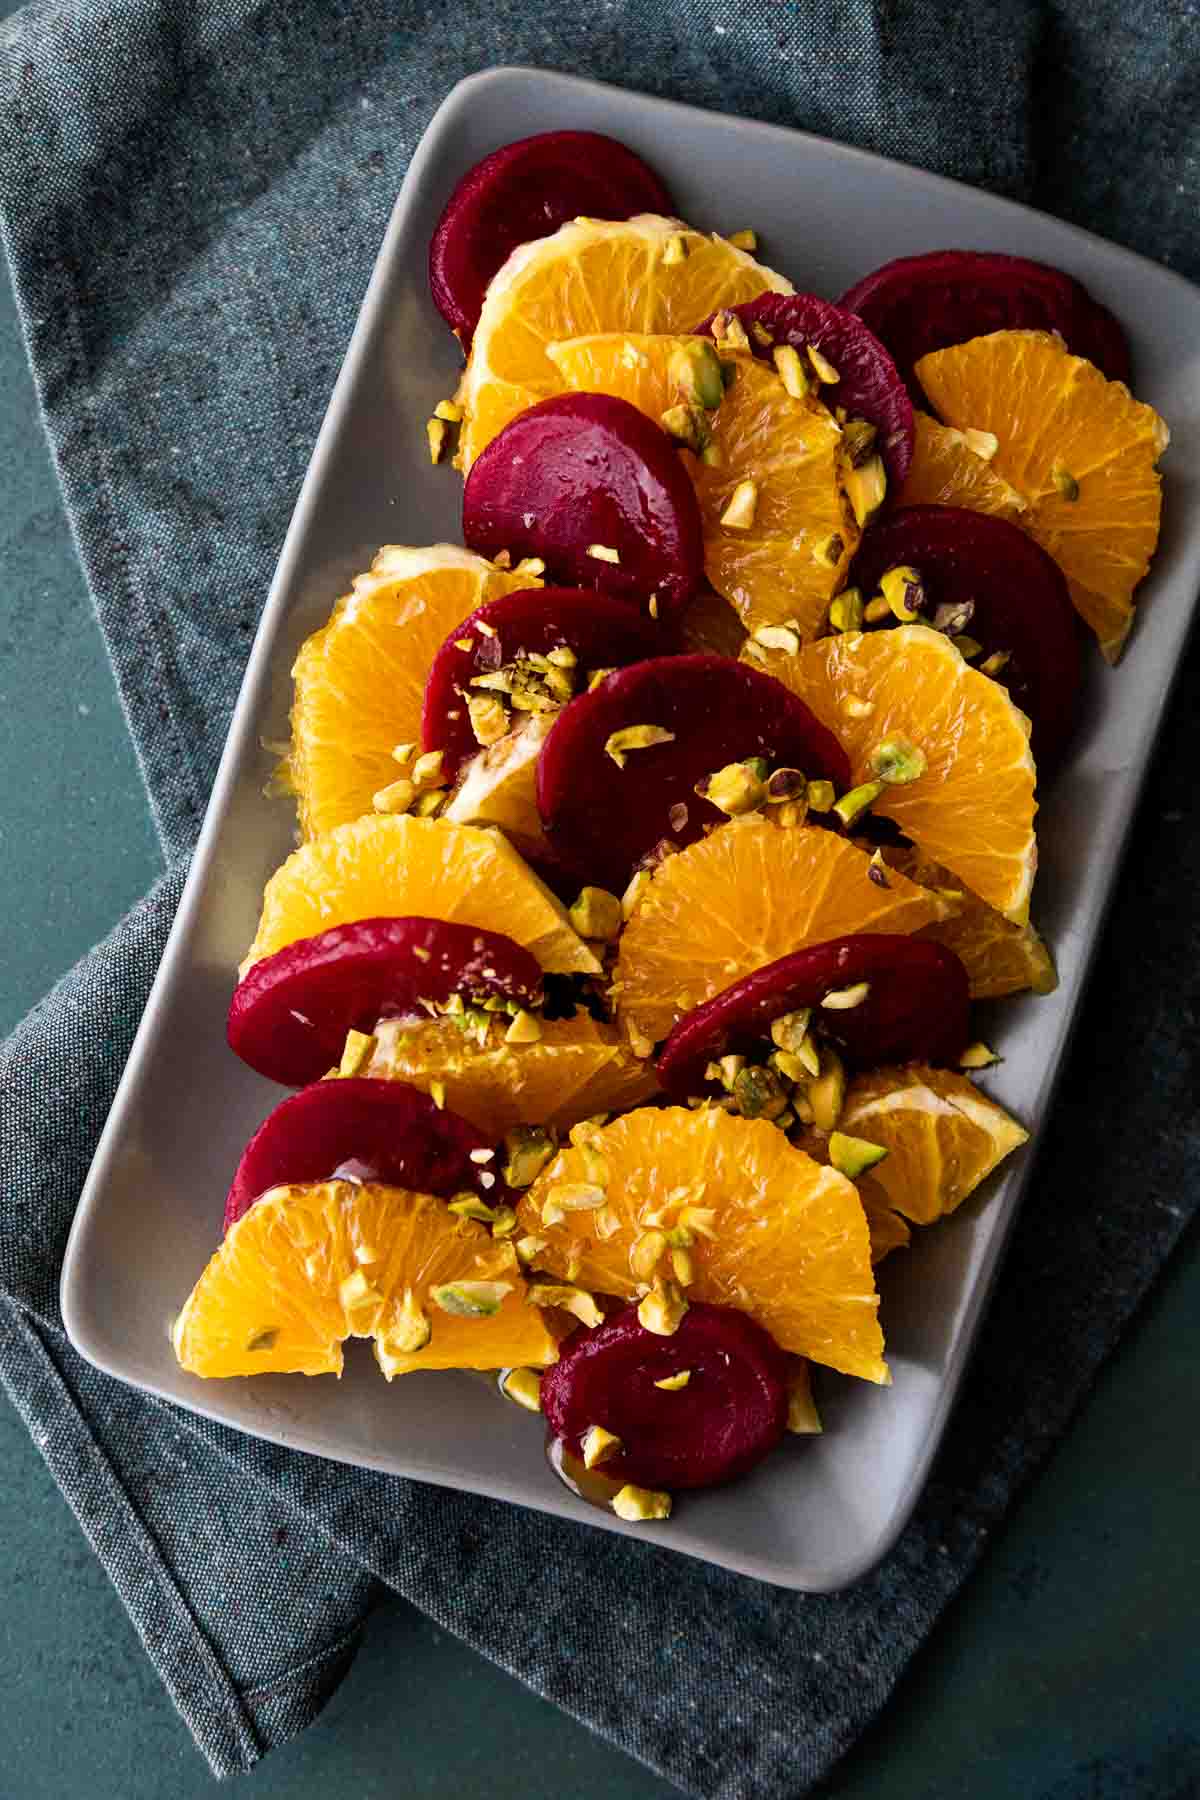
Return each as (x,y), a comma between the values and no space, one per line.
(896,761)
(803,1417)
(967,647)
(877,870)
(823,369)
(984,443)
(471,1299)
(663,1309)
(436,434)
(599,1446)
(788,813)
(809,1058)
(853,1156)
(403,753)
(953,616)
(699,1218)
(596,914)
(734,790)
(489,718)
(409,1328)
(671,1384)
(635,893)
(759,1093)
(846,610)
(760,334)
(904,592)
(563,1294)
(791,1066)
(357,1052)
(263,1340)
(430,802)
(694,369)
(728,331)
(523,1387)
(821,796)
(427,770)
(790,1029)
(681,1263)
(854,803)
(464,644)
(584,1130)
(449,410)
(791,371)
(859,438)
(830,550)
(1066,483)
(526,1028)
(996,663)
(397,797)
(688,425)
(676,248)
(527,1148)
(470,1206)
(645,1254)
(604,553)
(577,1196)
(778,637)
(827,1093)
(978,1056)
(712,456)
(729,1068)
(504,1223)
(529,1247)
(638,1504)
(866,488)
(743,240)
(743,504)
(420,952)
(677,817)
(856,708)
(875,610)
(635,737)
(786,784)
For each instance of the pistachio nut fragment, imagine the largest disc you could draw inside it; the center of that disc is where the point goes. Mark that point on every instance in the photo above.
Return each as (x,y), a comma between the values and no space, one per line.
(875,610)
(866,488)
(953,616)
(427,770)
(853,1156)
(856,708)
(597,914)
(470,1206)
(409,1330)
(827,1093)
(645,1253)
(786,784)
(760,334)
(904,592)
(504,1223)
(638,1504)
(671,1384)
(1066,483)
(526,1028)
(984,443)
(675,249)
(449,410)
(694,370)
(577,1196)
(604,553)
(688,425)
(845,999)
(597,676)
(437,1093)
(527,1148)
(778,637)
(830,550)
(529,1248)
(682,1266)
(523,1387)
(803,1417)
(967,647)
(996,663)
(821,796)
(897,761)
(568,1298)
(728,331)
(859,437)
(853,804)
(599,1446)
(358,1051)
(846,610)
(823,369)
(471,1299)
(430,802)
(791,371)
(759,1093)
(396,797)
(735,789)
(877,871)
(489,718)
(663,1309)
(743,240)
(978,1056)
(742,507)
(436,434)
(635,737)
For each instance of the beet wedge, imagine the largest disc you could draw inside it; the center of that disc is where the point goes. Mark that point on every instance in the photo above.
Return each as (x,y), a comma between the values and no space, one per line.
(916,1008)
(291,1011)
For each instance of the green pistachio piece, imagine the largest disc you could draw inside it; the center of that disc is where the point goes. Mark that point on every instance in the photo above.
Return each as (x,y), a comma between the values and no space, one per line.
(853,1156)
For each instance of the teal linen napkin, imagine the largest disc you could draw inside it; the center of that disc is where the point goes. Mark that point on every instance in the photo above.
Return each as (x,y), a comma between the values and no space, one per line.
(191,196)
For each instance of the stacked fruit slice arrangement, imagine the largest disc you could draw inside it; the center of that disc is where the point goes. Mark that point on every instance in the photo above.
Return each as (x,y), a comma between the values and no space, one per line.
(655,845)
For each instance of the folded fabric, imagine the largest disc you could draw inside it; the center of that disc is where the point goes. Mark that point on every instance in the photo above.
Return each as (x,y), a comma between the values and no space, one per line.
(191,197)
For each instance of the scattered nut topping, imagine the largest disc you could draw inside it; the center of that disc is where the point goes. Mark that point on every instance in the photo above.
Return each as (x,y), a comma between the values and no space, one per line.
(904,592)
(791,371)
(853,804)
(866,488)
(671,1384)
(978,1056)
(1066,483)
(996,663)
(877,870)
(694,370)
(827,1092)
(427,770)
(637,1504)
(675,249)
(681,1263)
(830,550)
(688,425)
(436,434)
(737,788)
(397,797)
(597,676)
(789,1030)
(529,1248)
(430,802)
(896,761)
(677,818)
(528,1149)
(645,1254)
(743,240)
(663,1309)
(786,784)
(846,610)
(599,1446)
(489,718)
(604,553)
(577,1196)
(743,505)
(823,369)
(449,410)
(635,737)
(471,1299)
(778,637)
(597,915)
(504,1223)
(855,708)
(526,1028)
(728,331)
(821,796)
(470,1206)
(357,1052)
(482,626)
(760,334)
(420,952)
(523,1387)
(859,439)
(984,443)
(967,647)
(575,1300)
(635,893)
(853,1156)
(875,610)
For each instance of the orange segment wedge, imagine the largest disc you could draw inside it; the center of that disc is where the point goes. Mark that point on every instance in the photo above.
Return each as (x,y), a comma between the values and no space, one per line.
(945,471)
(640,274)
(383,866)
(360,680)
(1000,958)
(793,558)
(576,1069)
(972,808)
(773,1234)
(889,1231)
(1078,448)
(744,896)
(308,1267)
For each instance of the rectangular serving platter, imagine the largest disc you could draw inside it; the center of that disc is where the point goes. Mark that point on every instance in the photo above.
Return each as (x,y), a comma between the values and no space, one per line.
(820,1512)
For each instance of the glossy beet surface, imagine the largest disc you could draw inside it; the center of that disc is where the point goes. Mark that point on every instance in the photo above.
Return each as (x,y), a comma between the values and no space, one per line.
(604,819)
(1019,604)
(916,1010)
(871,387)
(604,633)
(527,190)
(291,1012)
(922,303)
(585,470)
(377,1130)
(731,1413)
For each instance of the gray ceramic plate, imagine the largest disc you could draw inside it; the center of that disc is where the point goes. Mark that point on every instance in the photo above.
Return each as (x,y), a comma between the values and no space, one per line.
(818,1513)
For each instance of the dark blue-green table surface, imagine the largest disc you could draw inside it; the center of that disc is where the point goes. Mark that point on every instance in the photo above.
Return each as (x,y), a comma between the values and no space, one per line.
(1068,1668)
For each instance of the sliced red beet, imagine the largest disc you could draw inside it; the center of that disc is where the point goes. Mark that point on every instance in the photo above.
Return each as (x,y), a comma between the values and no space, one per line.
(870,385)
(527,190)
(732,1411)
(586,472)
(921,303)
(291,1012)
(377,1130)
(603,632)
(603,818)
(916,1009)
(1019,604)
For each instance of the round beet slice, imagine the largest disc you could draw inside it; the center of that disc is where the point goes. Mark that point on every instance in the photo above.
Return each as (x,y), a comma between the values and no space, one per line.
(583,473)
(604,818)
(604,633)
(527,190)
(380,1130)
(921,303)
(870,385)
(291,1012)
(916,1009)
(732,1411)
(1019,604)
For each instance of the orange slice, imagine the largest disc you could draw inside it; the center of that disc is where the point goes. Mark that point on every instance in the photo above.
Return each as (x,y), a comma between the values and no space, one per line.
(398,867)
(744,896)
(945,471)
(888,1230)
(1000,958)
(499,786)
(1079,449)
(640,274)
(793,558)
(360,680)
(576,1069)
(772,1233)
(308,1267)
(972,808)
